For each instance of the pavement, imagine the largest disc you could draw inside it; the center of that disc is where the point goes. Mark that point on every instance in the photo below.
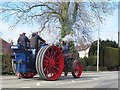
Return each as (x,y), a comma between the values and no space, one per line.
(87,80)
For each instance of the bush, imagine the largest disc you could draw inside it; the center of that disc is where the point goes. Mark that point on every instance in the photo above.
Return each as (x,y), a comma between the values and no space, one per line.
(83,64)
(87,67)
(119,57)
(6,64)
(94,68)
(111,57)
(91,68)
(0,63)
(113,68)
(92,60)
(88,62)
(102,68)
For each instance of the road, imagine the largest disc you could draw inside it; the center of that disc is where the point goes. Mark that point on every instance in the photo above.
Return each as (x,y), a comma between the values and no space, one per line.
(87,80)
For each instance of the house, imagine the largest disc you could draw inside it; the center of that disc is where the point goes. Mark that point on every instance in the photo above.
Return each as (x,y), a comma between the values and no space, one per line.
(83,50)
(5,47)
(84,53)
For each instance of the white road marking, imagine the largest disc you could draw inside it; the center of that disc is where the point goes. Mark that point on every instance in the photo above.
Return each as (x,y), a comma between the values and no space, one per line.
(63,83)
(26,87)
(95,79)
(37,84)
(1,78)
(73,81)
(45,81)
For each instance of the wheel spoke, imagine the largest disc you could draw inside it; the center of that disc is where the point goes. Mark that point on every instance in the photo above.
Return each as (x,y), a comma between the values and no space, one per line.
(53,70)
(56,68)
(48,53)
(57,57)
(45,65)
(46,56)
(55,53)
(57,63)
(52,53)
(47,71)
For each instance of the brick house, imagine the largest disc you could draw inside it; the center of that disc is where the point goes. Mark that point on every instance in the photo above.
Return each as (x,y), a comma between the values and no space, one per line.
(5,47)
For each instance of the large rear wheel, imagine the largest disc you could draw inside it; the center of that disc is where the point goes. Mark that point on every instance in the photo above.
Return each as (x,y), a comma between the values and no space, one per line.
(50,63)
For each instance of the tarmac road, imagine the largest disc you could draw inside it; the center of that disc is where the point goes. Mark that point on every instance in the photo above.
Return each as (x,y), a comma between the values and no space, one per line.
(87,80)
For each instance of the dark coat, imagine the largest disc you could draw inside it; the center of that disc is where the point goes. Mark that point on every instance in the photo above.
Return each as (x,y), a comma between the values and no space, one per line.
(22,40)
(35,41)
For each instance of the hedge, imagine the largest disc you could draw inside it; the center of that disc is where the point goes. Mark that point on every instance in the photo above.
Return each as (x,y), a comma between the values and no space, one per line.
(94,68)
(92,60)
(0,63)
(88,62)
(119,56)
(102,56)
(6,65)
(83,62)
(111,57)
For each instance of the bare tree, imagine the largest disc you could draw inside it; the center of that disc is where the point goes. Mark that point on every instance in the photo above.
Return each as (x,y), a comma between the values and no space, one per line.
(78,18)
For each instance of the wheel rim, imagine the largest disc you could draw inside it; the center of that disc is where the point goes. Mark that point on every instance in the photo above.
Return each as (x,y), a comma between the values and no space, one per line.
(50,63)
(38,61)
(77,69)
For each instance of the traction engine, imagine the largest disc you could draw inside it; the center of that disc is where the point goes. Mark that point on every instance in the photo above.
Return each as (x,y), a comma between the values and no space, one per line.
(48,63)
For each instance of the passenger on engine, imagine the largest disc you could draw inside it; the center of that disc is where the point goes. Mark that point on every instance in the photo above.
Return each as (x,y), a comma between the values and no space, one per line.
(23,40)
(36,41)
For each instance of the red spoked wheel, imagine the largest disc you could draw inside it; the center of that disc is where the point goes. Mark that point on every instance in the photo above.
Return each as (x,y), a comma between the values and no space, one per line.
(76,69)
(28,75)
(50,63)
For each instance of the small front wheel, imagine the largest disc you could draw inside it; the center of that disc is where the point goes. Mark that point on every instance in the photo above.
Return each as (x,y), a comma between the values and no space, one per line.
(76,69)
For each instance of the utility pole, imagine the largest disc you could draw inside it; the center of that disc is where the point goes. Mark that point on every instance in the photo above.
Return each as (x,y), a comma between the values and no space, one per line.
(118,25)
(98,50)
(118,38)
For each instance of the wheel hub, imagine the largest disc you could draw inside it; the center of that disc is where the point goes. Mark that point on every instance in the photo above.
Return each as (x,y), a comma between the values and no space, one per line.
(52,63)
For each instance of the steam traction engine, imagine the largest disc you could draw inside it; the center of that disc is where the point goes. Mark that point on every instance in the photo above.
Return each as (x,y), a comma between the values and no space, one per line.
(49,63)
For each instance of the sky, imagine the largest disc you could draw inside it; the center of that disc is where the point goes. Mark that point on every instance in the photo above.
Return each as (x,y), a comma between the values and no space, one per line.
(109,30)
